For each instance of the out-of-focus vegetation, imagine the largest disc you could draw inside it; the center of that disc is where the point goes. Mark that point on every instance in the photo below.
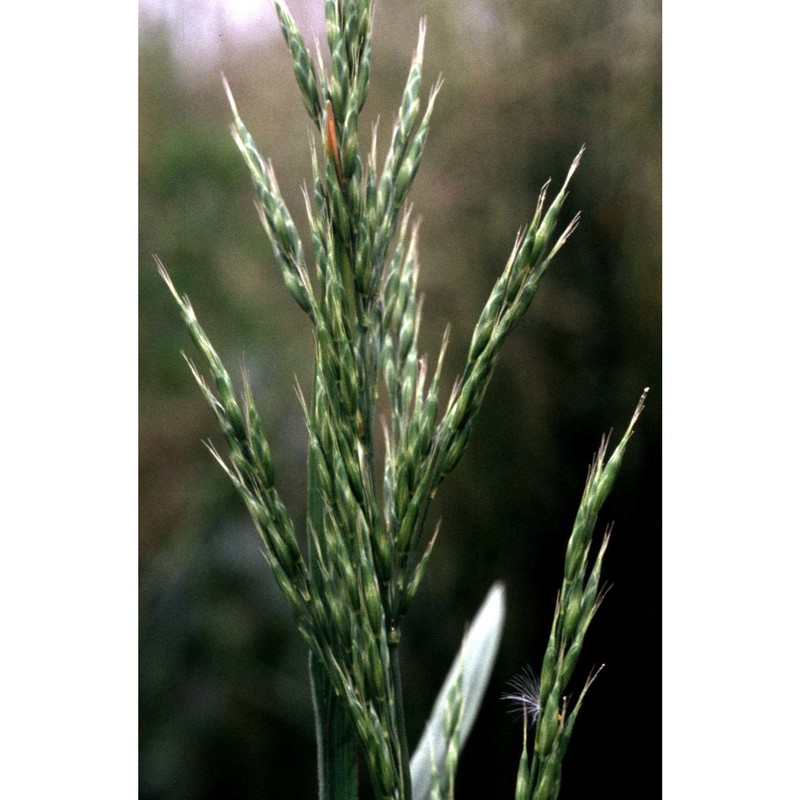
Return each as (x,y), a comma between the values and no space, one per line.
(225,706)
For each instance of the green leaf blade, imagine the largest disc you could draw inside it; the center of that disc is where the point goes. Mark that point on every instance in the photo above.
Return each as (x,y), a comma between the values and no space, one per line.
(473,664)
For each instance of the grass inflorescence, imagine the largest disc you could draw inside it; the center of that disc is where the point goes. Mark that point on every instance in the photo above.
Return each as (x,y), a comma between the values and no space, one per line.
(369,541)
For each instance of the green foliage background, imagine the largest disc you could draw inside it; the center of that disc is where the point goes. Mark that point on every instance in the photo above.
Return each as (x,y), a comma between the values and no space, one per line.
(225,706)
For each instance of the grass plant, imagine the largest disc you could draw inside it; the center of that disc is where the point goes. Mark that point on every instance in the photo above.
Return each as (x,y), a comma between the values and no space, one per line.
(367,530)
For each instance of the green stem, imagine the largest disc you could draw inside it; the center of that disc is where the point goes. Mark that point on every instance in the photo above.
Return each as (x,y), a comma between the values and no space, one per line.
(337,765)
(397,690)
(336,740)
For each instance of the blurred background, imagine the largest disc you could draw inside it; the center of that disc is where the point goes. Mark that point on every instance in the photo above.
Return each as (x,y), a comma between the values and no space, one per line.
(224,700)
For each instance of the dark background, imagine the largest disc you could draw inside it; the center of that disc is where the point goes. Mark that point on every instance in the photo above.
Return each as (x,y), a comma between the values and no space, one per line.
(225,708)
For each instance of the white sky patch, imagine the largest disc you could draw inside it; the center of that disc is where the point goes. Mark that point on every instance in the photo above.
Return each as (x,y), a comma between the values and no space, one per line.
(200,26)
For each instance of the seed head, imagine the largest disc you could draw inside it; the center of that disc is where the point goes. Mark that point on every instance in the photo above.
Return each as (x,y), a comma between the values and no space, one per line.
(524,697)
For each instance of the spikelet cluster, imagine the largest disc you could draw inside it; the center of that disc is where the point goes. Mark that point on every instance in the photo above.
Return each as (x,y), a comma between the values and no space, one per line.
(539,776)
(369,543)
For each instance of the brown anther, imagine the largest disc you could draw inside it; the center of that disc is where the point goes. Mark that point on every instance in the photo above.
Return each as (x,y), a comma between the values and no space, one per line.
(331,143)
